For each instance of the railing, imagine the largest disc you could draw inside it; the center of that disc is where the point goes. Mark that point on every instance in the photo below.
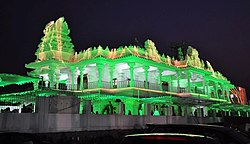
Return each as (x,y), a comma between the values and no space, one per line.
(106,84)
(179,89)
(126,83)
(92,85)
(122,84)
(154,86)
(199,91)
(174,89)
(140,84)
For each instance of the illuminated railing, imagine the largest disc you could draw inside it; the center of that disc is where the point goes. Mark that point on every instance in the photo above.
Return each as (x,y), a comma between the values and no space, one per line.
(153,86)
(179,89)
(126,83)
(92,85)
(105,84)
(199,91)
(68,87)
(122,84)
(140,84)
(174,89)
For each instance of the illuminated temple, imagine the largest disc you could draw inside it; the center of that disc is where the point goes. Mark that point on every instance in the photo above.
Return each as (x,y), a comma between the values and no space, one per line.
(115,88)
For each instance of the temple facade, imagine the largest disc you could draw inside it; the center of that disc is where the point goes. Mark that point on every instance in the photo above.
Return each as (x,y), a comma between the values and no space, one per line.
(129,81)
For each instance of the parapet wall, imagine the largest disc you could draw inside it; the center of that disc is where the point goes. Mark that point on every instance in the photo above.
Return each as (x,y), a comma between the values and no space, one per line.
(31,123)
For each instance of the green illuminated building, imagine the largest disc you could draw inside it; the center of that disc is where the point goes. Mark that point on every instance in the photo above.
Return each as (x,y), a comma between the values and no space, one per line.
(128,80)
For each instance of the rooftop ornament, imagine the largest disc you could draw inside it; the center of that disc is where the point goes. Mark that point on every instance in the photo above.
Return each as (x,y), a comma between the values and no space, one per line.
(56,45)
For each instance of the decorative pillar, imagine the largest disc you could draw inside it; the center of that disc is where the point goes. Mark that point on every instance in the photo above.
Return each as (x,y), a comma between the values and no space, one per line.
(35,85)
(170,84)
(199,112)
(73,70)
(189,82)
(207,88)
(121,108)
(205,109)
(81,77)
(178,81)
(204,84)
(57,80)
(146,76)
(99,67)
(187,111)
(228,94)
(87,107)
(131,69)
(52,76)
(239,113)
(223,92)
(46,84)
(147,109)
(160,77)
(215,90)
(81,108)
(170,110)
(111,73)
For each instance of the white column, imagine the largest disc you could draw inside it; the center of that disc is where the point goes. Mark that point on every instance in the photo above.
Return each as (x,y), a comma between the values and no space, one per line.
(147,109)
(52,77)
(121,108)
(146,76)
(111,72)
(73,70)
(81,77)
(160,77)
(87,107)
(131,69)
(99,67)
(187,111)
(170,110)
(189,82)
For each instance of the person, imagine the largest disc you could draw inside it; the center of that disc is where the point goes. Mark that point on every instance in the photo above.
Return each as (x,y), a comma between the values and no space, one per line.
(111,108)
(129,112)
(156,112)
(140,109)
(140,112)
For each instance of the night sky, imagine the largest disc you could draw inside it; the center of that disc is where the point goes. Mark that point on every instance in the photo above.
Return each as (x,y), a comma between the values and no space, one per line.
(218,29)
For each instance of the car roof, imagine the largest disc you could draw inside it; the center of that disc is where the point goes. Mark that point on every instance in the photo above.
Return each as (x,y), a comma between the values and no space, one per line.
(164,134)
(167,137)
(202,125)
(211,129)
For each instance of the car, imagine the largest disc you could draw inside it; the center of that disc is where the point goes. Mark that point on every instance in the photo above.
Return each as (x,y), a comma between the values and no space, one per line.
(222,134)
(165,138)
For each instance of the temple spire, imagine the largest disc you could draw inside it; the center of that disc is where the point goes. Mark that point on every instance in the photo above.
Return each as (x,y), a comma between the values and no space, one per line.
(55,43)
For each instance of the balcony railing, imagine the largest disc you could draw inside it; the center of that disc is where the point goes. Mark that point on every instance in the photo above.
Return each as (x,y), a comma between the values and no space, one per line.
(140,84)
(123,84)
(126,83)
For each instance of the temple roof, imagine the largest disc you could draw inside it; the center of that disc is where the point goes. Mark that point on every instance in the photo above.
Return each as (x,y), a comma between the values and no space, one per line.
(8,79)
(56,45)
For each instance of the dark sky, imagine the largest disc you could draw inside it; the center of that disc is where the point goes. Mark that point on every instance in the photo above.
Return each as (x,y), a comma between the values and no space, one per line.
(218,29)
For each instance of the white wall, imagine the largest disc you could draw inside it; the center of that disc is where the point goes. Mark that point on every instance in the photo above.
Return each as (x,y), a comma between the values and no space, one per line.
(30,122)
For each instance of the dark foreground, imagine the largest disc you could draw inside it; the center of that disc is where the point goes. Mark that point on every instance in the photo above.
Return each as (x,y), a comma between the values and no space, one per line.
(222,133)
(90,137)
